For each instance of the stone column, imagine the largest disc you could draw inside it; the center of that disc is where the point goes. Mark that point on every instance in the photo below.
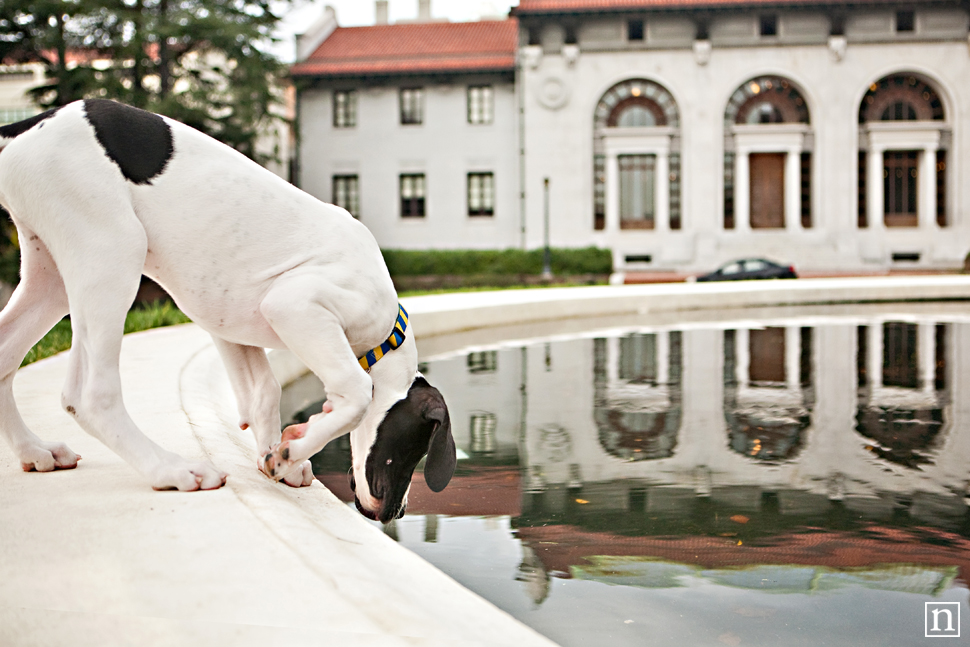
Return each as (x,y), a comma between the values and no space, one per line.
(874,356)
(793,357)
(742,191)
(875,188)
(661,193)
(742,357)
(793,190)
(926,193)
(612,193)
(663,357)
(926,336)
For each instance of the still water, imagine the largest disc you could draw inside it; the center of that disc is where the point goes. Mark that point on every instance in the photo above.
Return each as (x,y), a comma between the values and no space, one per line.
(801,480)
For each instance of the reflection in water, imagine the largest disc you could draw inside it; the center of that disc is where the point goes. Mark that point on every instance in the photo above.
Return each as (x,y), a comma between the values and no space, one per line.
(768,391)
(637,400)
(786,457)
(902,390)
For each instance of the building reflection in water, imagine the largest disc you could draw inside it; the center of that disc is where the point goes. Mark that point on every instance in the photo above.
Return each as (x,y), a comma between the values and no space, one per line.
(903,390)
(768,390)
(835,451)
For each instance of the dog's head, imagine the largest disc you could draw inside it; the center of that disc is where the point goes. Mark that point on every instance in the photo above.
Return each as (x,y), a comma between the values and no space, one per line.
(414,426)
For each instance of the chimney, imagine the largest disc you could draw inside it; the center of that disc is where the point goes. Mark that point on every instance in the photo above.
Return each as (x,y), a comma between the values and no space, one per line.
(382,13)
(424,10)
(319,31)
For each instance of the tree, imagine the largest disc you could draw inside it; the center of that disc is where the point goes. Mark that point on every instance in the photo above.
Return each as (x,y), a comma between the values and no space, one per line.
(202,62)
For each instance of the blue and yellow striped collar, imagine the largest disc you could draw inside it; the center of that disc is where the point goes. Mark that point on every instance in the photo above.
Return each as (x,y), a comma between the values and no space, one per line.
(396,339)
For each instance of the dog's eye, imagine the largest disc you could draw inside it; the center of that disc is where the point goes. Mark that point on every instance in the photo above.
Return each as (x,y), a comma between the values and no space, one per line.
(389,461)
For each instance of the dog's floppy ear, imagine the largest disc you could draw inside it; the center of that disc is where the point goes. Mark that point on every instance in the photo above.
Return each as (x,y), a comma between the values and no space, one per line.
(442,458)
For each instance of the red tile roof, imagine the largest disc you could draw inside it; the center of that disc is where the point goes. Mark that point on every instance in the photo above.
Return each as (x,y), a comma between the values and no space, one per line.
(527,7)
(414,48)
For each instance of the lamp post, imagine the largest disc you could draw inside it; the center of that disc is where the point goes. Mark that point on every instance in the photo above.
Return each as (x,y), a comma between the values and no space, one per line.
(546,255)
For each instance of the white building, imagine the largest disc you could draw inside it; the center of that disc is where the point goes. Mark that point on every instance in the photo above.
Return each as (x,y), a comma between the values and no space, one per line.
(15,81)
(680,135)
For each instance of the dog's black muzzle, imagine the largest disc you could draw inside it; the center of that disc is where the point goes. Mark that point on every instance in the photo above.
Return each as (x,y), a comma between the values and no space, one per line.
(387,512)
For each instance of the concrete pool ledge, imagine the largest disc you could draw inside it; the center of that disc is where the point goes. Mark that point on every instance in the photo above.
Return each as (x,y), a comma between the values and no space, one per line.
(93,556)
(439,314)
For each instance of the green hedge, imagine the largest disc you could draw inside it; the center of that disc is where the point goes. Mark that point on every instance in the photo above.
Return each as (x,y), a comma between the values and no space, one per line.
(587,260)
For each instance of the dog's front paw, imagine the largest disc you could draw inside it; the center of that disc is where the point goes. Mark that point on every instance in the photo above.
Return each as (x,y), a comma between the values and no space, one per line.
(187,477)
(280,465)
(302,476)
(46,457)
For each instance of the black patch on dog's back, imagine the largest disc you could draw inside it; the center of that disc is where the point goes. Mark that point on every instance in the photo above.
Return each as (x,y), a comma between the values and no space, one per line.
(139,142)
(19,128)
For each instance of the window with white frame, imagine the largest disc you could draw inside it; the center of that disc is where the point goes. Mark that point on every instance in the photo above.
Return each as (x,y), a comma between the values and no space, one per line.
(344,108)
(346,193)
(480,104)
(412,105)
(412,195)
(481,194)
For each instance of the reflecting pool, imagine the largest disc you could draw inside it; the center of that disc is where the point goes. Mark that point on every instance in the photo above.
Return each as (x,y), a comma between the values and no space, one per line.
(790,480)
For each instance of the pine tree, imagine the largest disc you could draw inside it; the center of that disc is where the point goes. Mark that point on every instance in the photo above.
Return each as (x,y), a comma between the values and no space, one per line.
(202,62)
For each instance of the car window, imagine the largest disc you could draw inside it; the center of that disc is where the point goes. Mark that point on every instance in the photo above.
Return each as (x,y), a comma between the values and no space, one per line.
(755,266)
(733,268)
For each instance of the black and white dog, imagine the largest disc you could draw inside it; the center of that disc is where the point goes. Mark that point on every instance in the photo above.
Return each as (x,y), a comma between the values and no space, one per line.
(102,193)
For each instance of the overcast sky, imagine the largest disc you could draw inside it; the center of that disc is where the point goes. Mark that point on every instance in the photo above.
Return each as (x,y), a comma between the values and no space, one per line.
(352,13)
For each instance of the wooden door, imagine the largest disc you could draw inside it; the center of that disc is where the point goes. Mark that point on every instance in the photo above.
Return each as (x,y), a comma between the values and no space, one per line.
(767,172)
(766,355)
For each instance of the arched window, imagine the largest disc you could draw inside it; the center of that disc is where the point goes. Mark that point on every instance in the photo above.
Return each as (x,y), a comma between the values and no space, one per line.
(905,92)
(902,176)
(636,112)
(778,95)
(899,111)
(767,171)
(645,162)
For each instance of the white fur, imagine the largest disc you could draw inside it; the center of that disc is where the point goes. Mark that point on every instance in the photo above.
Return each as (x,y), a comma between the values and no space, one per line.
(251,259)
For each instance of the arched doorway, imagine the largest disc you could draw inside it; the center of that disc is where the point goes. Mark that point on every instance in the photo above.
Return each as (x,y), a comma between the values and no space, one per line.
(767,159)
(903,143)
(636,158)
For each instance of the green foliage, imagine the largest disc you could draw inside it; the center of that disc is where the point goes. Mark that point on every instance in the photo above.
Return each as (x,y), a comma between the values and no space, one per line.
(55,341)
(159,314)
(156,315)
(201,62)
(588,260)
(9,251)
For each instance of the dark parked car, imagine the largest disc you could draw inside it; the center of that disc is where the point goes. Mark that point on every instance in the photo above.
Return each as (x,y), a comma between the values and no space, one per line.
(750,268)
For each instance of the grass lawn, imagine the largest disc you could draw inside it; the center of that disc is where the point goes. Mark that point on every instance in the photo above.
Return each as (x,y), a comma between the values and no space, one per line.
(142,318)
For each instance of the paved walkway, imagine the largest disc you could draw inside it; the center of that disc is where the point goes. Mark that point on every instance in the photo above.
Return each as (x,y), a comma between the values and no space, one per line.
(94,556)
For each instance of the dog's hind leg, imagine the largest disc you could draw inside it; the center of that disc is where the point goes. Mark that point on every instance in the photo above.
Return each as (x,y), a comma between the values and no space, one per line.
(101,285)
(258,399)
(37,304)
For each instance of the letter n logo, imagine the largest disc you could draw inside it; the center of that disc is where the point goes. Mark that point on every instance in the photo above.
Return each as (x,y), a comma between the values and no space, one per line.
(942,619)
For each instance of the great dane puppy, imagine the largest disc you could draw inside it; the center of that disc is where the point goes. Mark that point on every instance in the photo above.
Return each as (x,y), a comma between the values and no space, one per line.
(102,193)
